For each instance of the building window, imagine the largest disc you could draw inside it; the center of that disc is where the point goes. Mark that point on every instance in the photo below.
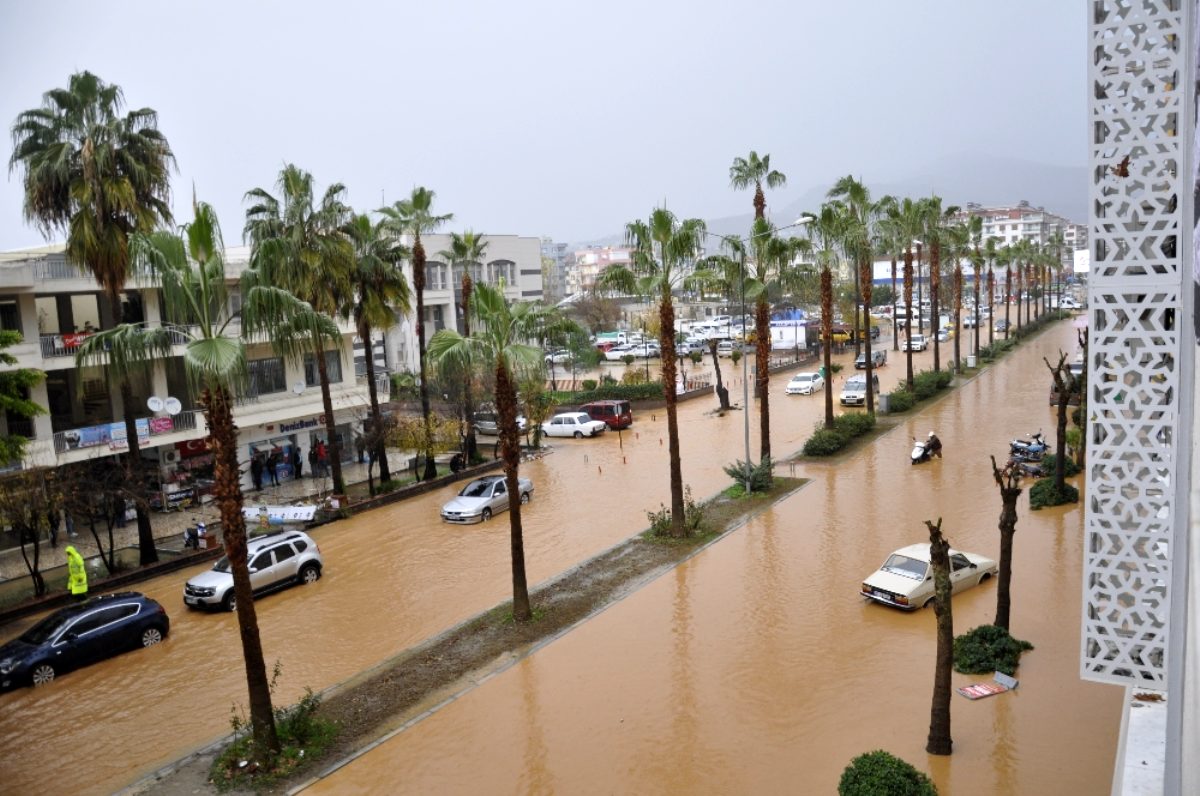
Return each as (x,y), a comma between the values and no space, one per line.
(266,376)
(475,271)
(503,269)
(10,318)
(333,369)
(435,276)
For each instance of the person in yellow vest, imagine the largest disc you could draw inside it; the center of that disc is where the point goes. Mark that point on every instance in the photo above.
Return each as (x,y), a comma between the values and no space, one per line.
(77,574)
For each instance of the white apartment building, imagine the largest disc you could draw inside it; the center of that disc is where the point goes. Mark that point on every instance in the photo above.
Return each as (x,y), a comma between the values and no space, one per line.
(590,262)
(55,305)
(513,259)
(1022,221)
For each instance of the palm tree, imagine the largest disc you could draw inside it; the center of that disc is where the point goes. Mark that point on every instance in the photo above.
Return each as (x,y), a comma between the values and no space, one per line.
(100,178)
(663,246)
(1006,257)
(300,245)
(499,340)
(414,216)
(861,215)
(190,268)
(380,289)
(991,251)
(467,248)
(890,239)
(1055,244)
(827,232)
(958,246)
(1009,482)
(935,233)
(909,220)
(753,170)
(976,224)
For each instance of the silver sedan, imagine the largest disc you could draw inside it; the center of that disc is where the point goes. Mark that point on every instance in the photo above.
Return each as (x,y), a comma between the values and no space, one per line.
(482,498)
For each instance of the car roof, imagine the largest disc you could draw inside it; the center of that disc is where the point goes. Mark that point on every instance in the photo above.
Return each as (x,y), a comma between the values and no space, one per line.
(274,537)
(99,601)
(920,551)
(573,414)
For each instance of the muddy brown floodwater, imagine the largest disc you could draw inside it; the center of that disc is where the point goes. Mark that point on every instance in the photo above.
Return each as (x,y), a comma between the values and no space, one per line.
(756,660)
(756,668)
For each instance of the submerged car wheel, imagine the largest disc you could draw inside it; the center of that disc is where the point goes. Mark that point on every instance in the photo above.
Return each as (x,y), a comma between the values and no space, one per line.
(486,515)
(526,497)
(578,435)
(152,636)
(42,674)
(230,601)
(310,573)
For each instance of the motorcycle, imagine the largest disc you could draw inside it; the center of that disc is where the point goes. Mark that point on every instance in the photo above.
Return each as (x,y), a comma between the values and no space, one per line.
(920,452)
(192,536)
(1030,450)
(1027,468)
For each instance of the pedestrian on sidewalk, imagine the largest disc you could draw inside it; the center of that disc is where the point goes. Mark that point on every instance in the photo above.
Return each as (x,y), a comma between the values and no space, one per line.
(322,458)
(273,467)
(297,461)
(70,518)
(312,461)
(52,521)
(76,574)
(256,471)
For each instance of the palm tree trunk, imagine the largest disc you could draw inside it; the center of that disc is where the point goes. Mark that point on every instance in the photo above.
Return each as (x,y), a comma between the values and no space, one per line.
(895,320)
(958,284)
(666,342)
(722,391)
(866,278)
(147,552)
(908,287)
(227,491)
(1009,492)
(510,453)
(1007,300)
(468,401)
(827,334)
(939,742)
(935,284)
(418,265)
(991,288)
(335,445)
(762,376)
(760,201)
(857,302)
(975,286)
(376,433)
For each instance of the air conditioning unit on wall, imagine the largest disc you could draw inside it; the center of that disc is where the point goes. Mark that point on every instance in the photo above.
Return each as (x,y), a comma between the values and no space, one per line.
(171,456)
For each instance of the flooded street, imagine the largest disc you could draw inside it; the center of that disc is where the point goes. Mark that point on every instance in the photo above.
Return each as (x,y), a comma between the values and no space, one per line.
(756,668)
(753,667)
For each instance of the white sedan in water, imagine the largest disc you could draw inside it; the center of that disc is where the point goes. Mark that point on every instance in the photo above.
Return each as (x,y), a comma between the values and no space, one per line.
(805,384)
(573,424)
(906,579)
(482,498)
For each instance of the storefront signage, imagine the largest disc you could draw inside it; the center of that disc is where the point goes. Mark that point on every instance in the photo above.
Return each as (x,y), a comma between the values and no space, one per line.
(312,422)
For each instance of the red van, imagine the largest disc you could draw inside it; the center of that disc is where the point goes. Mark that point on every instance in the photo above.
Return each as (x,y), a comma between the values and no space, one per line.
(616,414)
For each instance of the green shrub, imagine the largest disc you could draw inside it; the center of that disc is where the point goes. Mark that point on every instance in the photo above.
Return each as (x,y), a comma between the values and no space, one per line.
(1043,494)
(853,424)
(628,359)
(634,376)
(901,400)
(879,773)
(1069,467)
(825,442)
(760,474)
(693,516)
(391,485)
(695,356)
(629,392)
(589,384)
(1077,416)
(988,648)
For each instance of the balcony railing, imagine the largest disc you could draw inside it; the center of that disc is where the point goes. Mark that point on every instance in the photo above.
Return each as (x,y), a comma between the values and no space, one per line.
(57,268)
(111,436)
(67,343)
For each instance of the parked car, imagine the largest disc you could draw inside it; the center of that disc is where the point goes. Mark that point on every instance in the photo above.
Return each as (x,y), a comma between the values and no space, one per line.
(276,561)
(615,414)
(488,423)
(482,498)
(805,384)
(82,634)
(573,424)
(559,357)
(645,350)
(617,353)
(854,391)
(916,343)
(906,579)
(968,321)
(725,348)
(943,335)
(1000,325)
(878,359)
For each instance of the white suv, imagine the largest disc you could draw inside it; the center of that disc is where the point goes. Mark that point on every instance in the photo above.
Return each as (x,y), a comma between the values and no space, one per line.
(276,560)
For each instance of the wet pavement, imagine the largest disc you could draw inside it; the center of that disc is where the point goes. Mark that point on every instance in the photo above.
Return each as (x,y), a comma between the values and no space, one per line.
(756,662)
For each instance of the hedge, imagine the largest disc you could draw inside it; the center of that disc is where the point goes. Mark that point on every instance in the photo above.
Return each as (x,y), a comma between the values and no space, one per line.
(879,772)
(854,424)
(628,392)
(1070,468)
(901,400)
(1043,494)
(825,442)
(986,649)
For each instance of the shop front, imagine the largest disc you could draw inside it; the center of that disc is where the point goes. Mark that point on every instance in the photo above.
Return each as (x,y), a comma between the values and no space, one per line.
(185,475)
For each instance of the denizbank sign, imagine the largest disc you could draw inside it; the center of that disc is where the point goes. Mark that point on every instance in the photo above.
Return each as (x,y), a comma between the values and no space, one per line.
(299,425)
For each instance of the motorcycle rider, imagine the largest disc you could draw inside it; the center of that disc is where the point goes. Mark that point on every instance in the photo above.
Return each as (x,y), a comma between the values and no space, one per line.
(934,445)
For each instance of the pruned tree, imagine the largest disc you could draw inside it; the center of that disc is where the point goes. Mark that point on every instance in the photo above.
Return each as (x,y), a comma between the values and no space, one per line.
(1008,480)
(722,390)
(939,742)
(1065,386)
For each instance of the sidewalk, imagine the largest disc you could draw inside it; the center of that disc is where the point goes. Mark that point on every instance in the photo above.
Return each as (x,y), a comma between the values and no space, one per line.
(169,526)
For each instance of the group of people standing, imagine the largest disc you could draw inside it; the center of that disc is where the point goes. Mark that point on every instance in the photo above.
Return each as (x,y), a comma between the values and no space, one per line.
(264,468)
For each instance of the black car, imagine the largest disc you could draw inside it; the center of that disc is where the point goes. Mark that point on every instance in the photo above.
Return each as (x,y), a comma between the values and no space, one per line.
(82,634)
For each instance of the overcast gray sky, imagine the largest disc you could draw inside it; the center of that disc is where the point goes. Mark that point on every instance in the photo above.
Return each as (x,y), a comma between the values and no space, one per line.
(559,118)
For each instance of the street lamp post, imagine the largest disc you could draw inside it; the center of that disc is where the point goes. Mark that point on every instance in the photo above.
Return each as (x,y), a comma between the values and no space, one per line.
(745,365)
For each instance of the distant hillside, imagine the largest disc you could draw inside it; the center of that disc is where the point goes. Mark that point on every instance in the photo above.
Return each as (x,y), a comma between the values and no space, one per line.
(958,179)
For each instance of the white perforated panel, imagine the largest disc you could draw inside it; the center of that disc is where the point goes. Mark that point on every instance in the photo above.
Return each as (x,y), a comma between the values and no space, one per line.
(1134,299)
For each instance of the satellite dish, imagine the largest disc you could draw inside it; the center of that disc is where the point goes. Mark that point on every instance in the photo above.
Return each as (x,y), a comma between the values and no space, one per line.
(154,403)
(298,387)
(172,406)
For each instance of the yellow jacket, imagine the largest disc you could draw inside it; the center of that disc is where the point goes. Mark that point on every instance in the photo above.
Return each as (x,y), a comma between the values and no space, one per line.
(77,582)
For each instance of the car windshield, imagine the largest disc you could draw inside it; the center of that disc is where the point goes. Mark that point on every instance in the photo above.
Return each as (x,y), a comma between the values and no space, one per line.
(803,377)
(43,630)
(908,567)
(478,488)
(222,564)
